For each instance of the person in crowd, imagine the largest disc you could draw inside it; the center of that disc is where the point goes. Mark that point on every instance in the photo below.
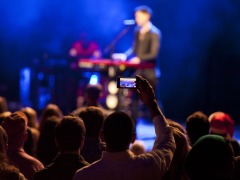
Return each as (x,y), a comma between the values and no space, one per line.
(93,118)
(91,98)
(15,126)
(7,171)
(3,115)
(3,105)
(46,148)
(3,109)
(197,125)
(236,173)
(138,148)
(30,145)
(118,133)
(211,157)
(69,135)
(176,125)
(222,124)
(49,110)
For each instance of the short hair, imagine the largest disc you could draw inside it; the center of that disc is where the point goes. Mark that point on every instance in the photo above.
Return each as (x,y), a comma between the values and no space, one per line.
(118,128)
(176,125)
(69,133)
(93,118)
(93,90)
(144,9)
(3,104)
(15,126)
(31,115)
(197,125)
(49,110)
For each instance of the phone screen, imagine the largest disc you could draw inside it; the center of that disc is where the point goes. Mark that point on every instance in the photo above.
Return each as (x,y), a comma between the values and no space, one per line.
(125,82)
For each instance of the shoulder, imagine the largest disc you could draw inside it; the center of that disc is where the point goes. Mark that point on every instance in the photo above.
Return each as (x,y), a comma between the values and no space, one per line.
(33,161)
(87,169)
(155,30)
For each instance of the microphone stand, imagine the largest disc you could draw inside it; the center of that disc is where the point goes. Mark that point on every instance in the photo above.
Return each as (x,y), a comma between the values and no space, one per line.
(110,47)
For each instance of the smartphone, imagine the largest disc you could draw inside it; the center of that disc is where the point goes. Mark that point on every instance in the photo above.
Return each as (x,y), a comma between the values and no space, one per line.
(126,82)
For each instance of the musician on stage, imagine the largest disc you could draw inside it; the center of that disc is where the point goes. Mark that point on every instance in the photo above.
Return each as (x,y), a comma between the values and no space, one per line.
(85,48)
(146,43)
(145,49)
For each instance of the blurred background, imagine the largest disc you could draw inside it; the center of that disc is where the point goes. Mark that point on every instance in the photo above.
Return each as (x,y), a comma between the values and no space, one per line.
(199,56)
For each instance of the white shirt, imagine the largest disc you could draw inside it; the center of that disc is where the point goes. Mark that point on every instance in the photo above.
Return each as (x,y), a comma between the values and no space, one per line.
(127,166)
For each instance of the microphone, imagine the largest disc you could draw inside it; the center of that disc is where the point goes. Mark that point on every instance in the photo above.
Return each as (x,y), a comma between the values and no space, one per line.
(129,22)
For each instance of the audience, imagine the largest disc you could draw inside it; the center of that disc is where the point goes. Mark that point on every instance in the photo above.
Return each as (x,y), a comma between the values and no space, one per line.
(3,105)
(66,145)
(15,126)
(93,118)
(47,149)
(222,124)
(30,145)
(3,109)
(210,158)
(236,174)
(7,171)
(197,125)
(92,94)
(138,148)
(3,116)
(69,135)
(49,110)
(118,162)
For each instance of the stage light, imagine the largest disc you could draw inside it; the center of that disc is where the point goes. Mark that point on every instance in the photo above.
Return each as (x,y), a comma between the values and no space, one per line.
(94,79)
(111,101)
(112,87)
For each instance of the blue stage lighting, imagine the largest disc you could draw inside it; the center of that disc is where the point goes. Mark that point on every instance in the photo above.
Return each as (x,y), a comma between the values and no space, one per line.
(94,79)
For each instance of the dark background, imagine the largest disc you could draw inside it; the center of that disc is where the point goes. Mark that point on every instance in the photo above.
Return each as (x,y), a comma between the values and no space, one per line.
(200,52)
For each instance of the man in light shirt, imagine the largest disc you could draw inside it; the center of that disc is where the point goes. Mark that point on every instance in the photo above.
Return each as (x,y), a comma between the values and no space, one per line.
(118,162)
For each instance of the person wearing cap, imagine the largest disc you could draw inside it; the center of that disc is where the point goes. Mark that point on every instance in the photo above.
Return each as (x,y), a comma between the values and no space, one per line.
(15,126)
(211,158)
(222,124)
(118,162)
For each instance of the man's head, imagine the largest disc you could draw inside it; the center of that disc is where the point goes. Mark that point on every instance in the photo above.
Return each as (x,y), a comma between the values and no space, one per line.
(118,131)
(221,124)
(31,115)
(197,125)
(16,127)
(211,157)
(3,105)
(69,134)
(142,15)
(92,94)
(93,118)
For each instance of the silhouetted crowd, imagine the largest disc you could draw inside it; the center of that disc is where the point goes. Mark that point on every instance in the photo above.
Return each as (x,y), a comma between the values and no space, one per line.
(93,143)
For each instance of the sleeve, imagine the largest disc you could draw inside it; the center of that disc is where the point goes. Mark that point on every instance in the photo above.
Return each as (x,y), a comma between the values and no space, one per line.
(164,145)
